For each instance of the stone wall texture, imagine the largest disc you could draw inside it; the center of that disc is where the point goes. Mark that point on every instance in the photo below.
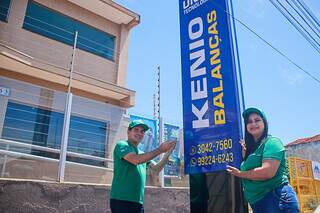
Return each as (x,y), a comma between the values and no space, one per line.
(19,196)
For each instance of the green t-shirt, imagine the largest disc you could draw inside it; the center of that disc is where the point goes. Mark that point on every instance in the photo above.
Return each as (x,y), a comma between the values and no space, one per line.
(128,179)
(270,148)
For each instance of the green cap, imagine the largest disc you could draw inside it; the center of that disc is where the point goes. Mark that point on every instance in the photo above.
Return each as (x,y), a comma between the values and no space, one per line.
(251,110)
(138,123)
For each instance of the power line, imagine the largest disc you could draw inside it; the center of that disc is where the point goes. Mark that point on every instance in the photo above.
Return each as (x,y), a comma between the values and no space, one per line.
(306,15)
(269,44)
(303,33)
(303,18)
(309,12)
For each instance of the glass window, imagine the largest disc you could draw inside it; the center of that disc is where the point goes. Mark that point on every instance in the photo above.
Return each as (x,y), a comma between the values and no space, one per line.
(43,127)
(54,25)
(4,10)
(88,137)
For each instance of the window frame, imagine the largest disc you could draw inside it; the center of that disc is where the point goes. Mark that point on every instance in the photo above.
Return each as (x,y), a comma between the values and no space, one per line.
(108,48)
(6,16)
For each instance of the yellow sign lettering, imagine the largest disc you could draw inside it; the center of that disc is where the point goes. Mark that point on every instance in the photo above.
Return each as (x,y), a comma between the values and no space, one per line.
(217,100)
(219,116)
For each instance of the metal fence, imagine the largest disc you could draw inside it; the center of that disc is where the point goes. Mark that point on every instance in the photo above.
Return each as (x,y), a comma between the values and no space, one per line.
(31,132)
(307,186)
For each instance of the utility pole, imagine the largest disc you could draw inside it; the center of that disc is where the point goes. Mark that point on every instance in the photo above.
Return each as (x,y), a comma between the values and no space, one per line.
(156,105)
(158,93)
(157,116)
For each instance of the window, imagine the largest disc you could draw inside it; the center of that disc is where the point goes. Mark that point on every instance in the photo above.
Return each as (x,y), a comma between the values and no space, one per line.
(43,127)
(88,137)
(54,25)
(33,125)
(4,10)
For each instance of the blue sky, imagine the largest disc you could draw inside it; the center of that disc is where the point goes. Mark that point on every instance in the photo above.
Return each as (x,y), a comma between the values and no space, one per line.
(289,97)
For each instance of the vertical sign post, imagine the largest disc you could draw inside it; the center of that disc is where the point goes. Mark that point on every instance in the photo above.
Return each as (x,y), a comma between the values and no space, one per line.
(211,109)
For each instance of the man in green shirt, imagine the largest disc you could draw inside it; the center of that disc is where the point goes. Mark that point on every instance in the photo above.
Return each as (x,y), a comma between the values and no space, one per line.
(129,173)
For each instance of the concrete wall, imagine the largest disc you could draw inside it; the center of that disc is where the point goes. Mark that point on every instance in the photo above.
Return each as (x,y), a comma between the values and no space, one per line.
(42,197)
(308,151)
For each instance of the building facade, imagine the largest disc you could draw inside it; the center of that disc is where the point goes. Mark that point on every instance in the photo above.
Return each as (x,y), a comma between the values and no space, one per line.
(305,148)
(63,67)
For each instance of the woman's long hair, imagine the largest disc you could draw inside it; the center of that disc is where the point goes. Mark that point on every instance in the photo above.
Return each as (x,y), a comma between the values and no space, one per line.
(250,143)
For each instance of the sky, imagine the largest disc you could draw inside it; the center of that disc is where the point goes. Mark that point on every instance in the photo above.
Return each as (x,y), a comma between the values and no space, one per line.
(290,98)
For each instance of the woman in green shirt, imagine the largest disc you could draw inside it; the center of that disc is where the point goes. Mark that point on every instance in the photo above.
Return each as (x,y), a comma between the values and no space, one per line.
(264,169)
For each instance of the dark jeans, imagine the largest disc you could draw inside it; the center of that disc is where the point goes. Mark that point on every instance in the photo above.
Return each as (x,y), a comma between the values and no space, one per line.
(122,206)
(280,200)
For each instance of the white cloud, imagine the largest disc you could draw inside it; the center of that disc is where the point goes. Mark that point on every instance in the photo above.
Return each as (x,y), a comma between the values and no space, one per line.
(291,77)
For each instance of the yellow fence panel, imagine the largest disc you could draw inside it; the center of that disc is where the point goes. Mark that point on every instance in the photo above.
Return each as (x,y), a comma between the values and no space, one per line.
(303,182)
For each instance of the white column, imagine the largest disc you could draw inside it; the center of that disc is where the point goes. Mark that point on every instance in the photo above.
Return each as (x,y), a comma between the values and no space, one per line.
(64,139)
(122,54)
(3,109)
(66,122)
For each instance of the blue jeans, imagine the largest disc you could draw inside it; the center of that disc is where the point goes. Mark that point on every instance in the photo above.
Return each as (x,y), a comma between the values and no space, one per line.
(280,200)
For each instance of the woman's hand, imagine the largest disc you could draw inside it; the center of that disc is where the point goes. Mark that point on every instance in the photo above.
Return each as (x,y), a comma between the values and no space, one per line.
(244,148)
(234,171)
(266,171)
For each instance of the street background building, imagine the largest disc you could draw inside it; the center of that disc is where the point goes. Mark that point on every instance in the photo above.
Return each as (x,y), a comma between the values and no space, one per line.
(41,41)
(50,49)
(63,102)
(304,169)
(307,148)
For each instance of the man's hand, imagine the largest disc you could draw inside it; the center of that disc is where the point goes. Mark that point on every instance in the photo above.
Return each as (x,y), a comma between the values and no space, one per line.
(167,146)
(136,159)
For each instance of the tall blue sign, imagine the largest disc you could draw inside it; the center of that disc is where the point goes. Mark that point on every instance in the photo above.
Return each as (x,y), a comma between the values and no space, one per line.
(210,97)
